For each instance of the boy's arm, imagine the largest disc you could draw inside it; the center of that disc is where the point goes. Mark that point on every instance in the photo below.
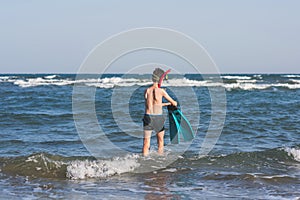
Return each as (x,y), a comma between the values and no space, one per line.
(165,94)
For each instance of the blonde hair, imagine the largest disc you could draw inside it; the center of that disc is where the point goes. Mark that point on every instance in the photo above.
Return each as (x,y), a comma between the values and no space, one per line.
(157,73)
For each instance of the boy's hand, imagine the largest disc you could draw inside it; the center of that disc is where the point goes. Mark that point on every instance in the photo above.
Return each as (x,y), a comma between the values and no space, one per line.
(175,103)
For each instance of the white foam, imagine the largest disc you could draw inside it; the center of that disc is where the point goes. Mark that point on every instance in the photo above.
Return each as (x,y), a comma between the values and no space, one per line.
(259,76)
(246,81)
(172,170)
(45,159)
(32,159)
(32,82)
(101,168)
(237,77)
(184,82)
(117,81)
(8,78)
(286,85)
(246,86)
(101,83)
(291,76)
(252,86)
(50,76)
(242,82)
(295,80)
(295,153)
(264,176)
(4,77)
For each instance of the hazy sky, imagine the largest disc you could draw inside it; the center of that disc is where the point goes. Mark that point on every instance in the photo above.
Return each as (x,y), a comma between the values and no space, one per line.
(242,36)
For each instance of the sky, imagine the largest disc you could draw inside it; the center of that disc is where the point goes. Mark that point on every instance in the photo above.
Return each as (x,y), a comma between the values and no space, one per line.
(55,36)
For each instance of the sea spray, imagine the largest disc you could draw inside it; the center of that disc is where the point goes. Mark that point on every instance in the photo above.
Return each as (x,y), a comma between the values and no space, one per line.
(79,169)
(293,152)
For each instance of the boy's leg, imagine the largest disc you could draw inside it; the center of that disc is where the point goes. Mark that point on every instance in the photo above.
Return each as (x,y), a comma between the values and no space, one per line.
(146,144)
(160,142)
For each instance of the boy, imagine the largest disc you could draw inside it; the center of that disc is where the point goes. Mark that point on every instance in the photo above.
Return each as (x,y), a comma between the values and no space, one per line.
(153,118)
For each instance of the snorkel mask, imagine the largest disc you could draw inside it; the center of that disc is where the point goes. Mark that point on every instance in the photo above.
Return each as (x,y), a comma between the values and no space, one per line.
(159,75)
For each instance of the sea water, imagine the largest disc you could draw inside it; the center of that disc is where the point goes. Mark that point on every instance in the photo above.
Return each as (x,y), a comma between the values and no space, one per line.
(42,155)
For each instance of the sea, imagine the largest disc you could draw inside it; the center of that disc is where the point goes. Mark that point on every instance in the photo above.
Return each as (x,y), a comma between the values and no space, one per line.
(44,154)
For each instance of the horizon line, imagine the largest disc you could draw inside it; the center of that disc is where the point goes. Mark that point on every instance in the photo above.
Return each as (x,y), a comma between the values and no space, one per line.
(53,73)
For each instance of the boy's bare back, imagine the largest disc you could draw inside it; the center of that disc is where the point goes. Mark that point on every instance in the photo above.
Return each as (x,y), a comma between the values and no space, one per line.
(153,100)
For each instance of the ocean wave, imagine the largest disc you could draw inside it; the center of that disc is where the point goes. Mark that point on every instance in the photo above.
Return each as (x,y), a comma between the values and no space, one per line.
(101,168)
(120,82)
(51,76)
(251,160)
(291,76)
(252,86)
(246,81)
(237,77)
(4,77)
(252,177)
(243,84)
(43,165)
(295,80)
(246,86)
(233,82)
(294,153)
(33,82)
(258,76)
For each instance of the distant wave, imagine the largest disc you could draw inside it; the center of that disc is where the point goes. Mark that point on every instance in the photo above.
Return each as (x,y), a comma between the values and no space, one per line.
(4,78)
(295,80)
(229,83)
(291,76)
(237,77)
(51,76)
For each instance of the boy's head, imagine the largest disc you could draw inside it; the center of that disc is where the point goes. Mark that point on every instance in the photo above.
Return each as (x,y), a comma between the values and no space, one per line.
(157,73)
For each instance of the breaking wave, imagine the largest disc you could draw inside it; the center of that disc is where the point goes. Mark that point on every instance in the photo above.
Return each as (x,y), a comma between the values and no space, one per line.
(43,165)
(294,153)
(230,82)
(101,168)
(237,77)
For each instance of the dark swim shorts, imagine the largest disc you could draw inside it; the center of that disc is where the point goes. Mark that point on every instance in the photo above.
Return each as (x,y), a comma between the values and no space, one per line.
(154,122)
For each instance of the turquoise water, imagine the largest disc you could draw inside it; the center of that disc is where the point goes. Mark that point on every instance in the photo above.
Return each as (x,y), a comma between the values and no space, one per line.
(42,155)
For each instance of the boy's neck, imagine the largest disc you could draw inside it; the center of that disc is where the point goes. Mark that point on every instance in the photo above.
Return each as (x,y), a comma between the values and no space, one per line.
(155,85)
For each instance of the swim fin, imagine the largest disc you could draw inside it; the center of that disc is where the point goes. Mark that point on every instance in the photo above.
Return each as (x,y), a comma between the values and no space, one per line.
(179,126)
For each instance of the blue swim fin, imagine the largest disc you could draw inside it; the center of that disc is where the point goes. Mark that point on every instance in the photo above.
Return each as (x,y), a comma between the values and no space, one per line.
(179,126)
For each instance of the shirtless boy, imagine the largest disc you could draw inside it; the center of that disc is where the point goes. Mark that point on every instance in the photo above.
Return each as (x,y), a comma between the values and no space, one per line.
(153,118)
